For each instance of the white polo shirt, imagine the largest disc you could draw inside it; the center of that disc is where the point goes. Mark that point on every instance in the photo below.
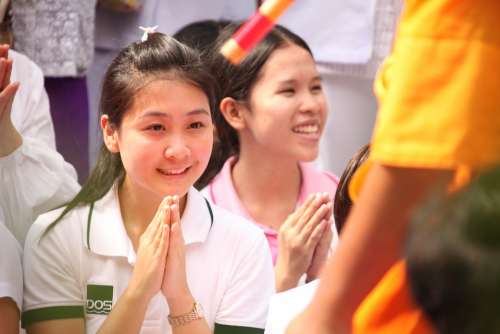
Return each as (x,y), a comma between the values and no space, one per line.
(11,274)
(80,267)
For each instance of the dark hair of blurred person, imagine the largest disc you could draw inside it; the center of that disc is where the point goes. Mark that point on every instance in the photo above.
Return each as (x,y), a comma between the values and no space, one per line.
(454,258)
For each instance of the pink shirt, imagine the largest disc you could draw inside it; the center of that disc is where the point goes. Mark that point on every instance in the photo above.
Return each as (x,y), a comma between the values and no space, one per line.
(221,192)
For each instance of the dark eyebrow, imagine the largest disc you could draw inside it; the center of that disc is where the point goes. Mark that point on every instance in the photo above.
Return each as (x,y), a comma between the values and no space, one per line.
(198,112)
(285,82)
(163,114)
(292,81)
(154,114)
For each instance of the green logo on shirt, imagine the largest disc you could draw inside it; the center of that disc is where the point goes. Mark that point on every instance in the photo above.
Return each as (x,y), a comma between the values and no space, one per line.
(99,299)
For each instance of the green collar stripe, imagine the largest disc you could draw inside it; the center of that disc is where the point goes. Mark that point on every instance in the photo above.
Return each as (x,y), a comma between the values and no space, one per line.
(228,329)
(51,313)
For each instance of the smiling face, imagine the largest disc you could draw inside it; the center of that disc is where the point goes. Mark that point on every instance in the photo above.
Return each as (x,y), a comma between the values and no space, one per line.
(165,138)
(287,107)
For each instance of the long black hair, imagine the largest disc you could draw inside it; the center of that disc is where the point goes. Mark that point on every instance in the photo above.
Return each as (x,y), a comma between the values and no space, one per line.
(158,57)
(237,81)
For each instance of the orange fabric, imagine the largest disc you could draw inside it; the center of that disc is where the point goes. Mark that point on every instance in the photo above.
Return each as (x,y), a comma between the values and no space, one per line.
(389,309)
(438,92)
(439,108)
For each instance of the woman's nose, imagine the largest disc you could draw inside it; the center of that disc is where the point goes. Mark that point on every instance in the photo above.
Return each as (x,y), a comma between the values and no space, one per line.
(176,150)
(310,103)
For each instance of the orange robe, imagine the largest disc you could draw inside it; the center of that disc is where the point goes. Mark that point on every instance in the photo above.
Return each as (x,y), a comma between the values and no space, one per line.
(439,96)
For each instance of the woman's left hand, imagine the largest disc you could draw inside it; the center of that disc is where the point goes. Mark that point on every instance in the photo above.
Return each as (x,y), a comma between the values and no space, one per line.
(322,250)
(174,286)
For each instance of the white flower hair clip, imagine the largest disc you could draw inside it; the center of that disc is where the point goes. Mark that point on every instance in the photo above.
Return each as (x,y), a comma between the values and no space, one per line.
(147,30)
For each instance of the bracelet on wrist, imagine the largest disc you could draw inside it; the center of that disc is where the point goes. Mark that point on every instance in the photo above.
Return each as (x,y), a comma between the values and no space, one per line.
(196,313)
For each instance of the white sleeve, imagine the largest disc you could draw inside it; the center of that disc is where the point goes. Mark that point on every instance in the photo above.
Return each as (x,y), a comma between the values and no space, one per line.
(285,306)
(36,179)
(246,302)
(11,274)
(30,109)
(52,288)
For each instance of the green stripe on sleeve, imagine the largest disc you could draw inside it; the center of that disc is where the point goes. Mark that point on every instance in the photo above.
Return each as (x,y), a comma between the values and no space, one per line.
(228,329)
(51,313)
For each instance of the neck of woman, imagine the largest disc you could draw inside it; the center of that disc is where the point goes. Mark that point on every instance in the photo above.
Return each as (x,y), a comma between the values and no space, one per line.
(263,178)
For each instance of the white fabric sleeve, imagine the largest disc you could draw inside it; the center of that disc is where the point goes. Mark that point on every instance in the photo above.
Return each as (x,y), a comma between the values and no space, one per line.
(246,301)
(11,274)
(51,264)
(36,179)
(285,306)
(30,109)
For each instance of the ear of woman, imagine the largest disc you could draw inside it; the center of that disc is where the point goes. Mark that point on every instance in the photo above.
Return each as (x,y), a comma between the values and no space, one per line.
(232,111)
(109,134)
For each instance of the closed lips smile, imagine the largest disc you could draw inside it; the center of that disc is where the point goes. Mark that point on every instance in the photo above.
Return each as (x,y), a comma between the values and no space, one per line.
(173,172)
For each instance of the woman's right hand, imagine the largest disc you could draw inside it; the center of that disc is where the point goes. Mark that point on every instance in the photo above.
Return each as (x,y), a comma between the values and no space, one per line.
(148,271)
(298,237)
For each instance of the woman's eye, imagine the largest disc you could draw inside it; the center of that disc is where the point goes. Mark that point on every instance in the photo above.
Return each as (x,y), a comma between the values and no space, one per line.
(196,125)
(288,91)
(156,127)
(316,88)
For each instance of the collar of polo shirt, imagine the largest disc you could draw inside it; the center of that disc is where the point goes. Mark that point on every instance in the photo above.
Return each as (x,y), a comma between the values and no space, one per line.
(106,234)
(221,190)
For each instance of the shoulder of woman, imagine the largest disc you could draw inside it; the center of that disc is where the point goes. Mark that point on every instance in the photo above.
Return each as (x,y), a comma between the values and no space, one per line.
(315,180)
(331,177)
(65,229)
